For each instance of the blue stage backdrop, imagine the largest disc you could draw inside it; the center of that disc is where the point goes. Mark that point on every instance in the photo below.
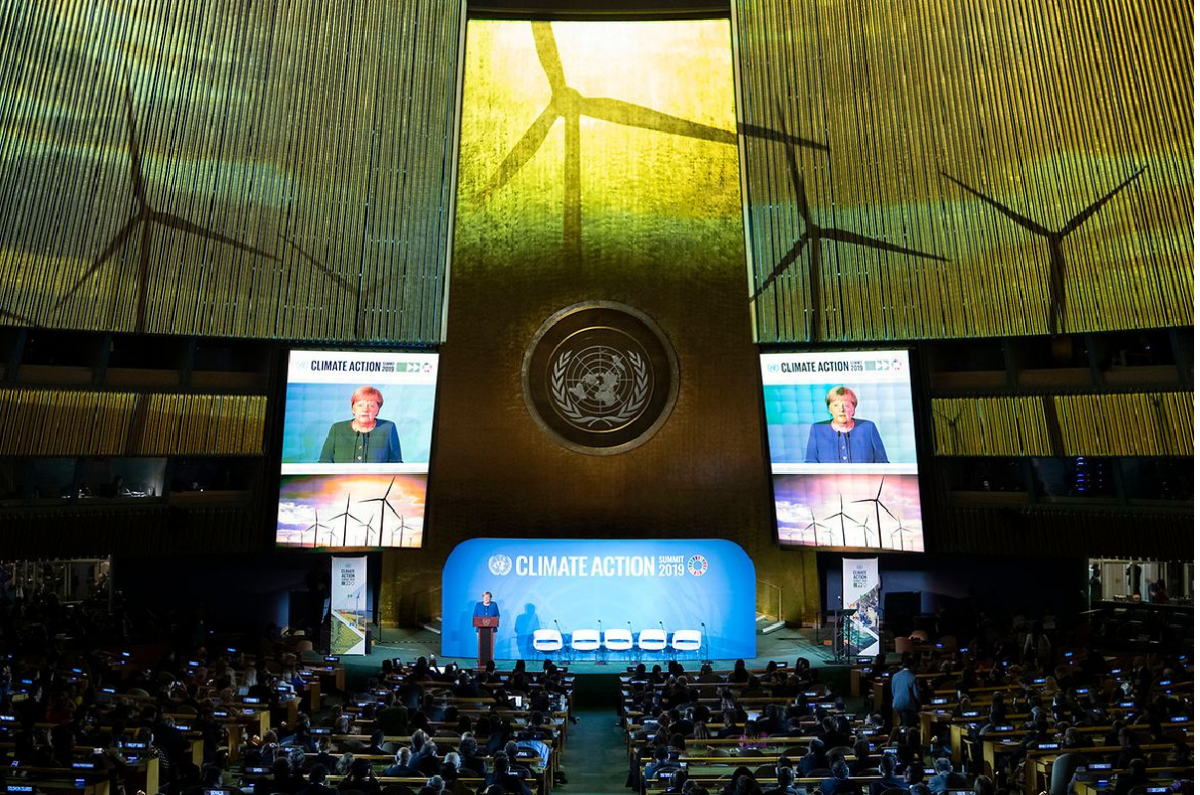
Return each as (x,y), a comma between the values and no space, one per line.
(627,584)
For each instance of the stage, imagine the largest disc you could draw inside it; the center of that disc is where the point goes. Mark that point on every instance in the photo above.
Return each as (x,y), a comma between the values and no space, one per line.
(783,645)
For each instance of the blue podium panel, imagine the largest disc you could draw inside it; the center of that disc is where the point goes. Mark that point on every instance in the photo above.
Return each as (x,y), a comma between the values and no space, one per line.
(702,584)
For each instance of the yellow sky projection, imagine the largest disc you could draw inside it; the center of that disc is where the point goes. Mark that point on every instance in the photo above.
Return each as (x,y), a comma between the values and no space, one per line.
(655,147)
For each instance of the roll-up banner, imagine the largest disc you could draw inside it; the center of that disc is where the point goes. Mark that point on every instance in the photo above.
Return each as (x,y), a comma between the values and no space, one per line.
(702,585)
(348,607)
(860,592)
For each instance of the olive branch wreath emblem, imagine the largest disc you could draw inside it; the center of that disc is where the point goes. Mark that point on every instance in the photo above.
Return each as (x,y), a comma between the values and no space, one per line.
(567,407)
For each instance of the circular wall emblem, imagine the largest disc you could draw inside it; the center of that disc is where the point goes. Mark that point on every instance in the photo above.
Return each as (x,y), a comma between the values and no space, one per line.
(600,377)
(697,565)
(499,564)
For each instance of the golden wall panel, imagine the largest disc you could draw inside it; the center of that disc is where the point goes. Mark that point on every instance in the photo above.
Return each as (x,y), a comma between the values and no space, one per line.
(993,168)
(1001,426)
(212,168)
(1154,424)
(1129,425)
(36,422)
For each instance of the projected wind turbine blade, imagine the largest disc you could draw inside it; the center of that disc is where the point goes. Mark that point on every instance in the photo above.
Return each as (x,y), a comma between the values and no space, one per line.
(630,115)
(19,318)
(175,222)
(783,265)
(522,151)
(783,137)
(311,260)
(547,50)
(135,152)
(855,239)
(113,247)
(1091,209)
(1012,215)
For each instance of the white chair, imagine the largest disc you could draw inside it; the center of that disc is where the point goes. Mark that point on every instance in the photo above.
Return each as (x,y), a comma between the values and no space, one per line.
(618,640)
(547,641)
(652,640)
(585,640)
(685,640)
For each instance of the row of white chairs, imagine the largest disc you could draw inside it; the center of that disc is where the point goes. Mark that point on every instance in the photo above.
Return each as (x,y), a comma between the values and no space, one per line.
(548,641)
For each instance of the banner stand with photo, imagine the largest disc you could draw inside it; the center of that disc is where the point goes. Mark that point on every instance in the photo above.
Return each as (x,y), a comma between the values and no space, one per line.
(861,588)
(348,609)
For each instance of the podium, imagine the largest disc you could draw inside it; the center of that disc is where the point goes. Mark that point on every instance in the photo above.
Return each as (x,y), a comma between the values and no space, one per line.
(487,637)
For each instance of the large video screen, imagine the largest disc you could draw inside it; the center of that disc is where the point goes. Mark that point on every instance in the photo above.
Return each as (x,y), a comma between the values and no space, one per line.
(843,448)
(357,430)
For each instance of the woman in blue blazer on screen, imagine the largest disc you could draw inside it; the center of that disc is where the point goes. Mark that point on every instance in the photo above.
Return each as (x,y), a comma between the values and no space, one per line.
(843,439)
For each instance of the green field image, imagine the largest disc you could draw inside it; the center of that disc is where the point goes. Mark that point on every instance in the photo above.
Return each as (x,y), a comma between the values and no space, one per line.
(347,630)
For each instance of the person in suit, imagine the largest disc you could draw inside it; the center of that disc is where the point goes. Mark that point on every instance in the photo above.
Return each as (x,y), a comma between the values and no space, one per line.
(1135,776)
(906,694)
(945,778)
(316,783)
(365,438)
(843,439)
(839,783)
(486,608)
(887,777)
(785,778)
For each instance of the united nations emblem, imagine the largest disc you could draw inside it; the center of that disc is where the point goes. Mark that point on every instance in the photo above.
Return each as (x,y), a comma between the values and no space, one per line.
(600,386)
(499,564)
(600,378)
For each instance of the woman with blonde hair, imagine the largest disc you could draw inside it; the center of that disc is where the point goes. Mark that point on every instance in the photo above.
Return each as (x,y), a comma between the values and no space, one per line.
(364,439)
(843,439)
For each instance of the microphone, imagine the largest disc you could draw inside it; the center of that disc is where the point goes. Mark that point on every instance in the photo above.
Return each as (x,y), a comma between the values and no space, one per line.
(703,624)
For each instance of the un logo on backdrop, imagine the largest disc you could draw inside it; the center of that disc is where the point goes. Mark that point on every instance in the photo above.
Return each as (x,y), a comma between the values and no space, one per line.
(499,565)
(697,565)
(600,377)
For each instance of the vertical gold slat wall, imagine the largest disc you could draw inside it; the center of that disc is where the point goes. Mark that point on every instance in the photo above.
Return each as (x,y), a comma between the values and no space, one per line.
(1127,425)
(1040,105)
(294,160)
(66,423)
(1158,424)
(995,426)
